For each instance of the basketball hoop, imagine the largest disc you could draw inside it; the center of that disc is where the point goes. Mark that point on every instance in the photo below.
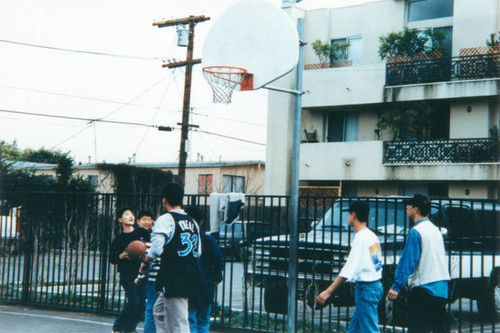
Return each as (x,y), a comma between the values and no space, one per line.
(224,79)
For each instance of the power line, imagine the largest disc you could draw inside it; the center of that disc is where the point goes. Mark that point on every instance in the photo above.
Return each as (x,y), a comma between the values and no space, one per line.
(90,120)
(80,51)
(125,103)
(228,119)
(77,96)
(133,99)
(71,137)
(154,117)
(230,137)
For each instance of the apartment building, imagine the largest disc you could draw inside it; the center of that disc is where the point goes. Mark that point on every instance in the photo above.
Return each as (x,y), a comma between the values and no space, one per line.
(343,146)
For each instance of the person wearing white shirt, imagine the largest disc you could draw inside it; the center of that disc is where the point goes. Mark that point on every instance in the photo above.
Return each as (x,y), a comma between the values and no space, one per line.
(363,267)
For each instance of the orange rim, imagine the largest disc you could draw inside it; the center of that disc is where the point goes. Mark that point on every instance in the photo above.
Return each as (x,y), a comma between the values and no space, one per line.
(216,70)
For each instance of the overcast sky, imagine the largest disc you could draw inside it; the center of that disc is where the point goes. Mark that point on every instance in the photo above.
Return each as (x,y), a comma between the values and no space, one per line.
(130,89)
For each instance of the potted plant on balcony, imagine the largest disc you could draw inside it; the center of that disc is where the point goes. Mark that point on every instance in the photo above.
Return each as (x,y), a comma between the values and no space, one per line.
(424,49)
(480,62)
(330,54)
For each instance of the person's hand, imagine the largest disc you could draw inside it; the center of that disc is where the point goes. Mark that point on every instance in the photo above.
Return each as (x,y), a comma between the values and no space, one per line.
(321,298)
(124,255)
(137,281)
(392,294)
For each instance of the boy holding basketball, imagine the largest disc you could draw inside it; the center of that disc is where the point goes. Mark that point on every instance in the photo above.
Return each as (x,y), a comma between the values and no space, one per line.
(128,266)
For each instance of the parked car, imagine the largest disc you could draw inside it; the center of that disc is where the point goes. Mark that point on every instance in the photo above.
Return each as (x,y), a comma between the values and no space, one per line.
(471,237)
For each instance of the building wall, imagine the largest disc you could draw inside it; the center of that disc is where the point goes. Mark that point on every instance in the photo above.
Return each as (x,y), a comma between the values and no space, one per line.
(469,120)
(475,190)
(466,15)
(363,88)
(254,177)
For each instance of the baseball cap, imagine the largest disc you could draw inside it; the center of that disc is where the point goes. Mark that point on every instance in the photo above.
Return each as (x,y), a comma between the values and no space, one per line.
(418,200)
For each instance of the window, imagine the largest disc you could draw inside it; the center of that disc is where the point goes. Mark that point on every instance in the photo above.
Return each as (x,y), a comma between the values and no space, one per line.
(419,10)
(448,36)
(93,179)
(342,126)
(205,184)
(353,53)
(233,183)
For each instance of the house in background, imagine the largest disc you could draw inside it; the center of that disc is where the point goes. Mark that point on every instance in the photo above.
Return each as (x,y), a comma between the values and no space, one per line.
(343,100)
(201,177)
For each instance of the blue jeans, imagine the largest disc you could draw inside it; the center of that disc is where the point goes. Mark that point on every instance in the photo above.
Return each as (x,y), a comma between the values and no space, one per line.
(199,318)
(151,296)
(365,316)
(133,310)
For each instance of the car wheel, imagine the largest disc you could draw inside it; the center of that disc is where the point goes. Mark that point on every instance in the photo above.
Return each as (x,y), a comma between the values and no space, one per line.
(489,304)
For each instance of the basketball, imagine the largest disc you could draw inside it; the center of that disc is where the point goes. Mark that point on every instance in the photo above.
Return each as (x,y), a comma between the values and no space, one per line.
(136,249)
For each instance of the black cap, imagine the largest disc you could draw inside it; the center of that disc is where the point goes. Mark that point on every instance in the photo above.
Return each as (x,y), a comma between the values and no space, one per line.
(418,200)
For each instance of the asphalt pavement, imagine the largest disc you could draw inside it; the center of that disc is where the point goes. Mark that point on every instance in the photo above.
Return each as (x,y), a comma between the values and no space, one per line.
(14,318)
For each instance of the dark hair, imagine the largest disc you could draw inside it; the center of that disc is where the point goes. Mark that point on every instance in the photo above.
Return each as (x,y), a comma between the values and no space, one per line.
(424,208)
(143,213)
(421,201)
(119,212)
(195,213)
(361,208)
(174,193)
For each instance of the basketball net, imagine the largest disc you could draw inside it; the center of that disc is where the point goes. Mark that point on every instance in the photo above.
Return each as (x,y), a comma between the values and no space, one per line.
(223,81)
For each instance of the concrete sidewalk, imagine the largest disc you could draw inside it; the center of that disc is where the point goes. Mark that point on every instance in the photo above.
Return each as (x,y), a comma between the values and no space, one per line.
(14,319)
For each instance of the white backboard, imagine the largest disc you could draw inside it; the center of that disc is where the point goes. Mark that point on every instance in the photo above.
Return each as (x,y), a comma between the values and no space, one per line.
(255,35)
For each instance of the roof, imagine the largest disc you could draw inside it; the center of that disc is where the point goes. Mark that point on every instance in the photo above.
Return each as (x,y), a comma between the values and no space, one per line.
(19,165)
(199,164)
(23,165)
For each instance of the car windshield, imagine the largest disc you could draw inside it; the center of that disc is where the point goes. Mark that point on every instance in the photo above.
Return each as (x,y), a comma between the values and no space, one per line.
(385,217)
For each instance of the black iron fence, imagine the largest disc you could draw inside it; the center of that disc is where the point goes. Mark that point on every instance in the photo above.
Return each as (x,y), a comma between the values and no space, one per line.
(54,253)
(442,151)
(443,69)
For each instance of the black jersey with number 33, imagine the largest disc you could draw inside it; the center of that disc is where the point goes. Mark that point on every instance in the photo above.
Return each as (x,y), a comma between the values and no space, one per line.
(178,275)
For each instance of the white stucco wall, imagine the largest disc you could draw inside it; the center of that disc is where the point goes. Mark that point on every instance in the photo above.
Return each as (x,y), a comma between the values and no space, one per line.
(442,90)
(473,124)
(344,86)
(476,190)
(357,161)
(466,15)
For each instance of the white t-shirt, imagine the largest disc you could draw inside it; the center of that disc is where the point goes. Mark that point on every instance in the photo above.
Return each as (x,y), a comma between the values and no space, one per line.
(364,263)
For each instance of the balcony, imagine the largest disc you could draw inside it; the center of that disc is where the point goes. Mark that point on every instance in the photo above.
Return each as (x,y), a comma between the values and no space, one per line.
(464,67)
(481,150)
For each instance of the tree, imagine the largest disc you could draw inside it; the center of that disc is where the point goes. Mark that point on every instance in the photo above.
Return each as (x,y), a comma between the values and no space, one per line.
(12,180)
(327,52)
(412,122)
(410,42)
(494,40)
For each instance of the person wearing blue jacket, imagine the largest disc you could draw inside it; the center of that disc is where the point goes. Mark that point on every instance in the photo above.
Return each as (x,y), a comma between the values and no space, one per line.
(423,264)
(211,266)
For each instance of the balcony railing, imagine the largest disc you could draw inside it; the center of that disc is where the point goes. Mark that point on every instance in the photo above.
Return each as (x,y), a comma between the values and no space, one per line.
(469,67)
(442,152)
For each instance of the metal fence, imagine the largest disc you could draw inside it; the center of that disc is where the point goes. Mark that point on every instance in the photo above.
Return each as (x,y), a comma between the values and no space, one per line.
(442,151)
(54,253)
(466,67)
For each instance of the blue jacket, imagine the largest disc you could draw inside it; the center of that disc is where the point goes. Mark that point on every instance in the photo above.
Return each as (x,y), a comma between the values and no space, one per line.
(211,266)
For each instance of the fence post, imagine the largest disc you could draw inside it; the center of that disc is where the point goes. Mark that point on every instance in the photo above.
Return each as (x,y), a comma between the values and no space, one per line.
(106,225)
(28,254)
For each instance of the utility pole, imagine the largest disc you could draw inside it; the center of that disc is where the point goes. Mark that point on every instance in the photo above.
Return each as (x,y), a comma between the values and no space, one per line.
(191,21)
